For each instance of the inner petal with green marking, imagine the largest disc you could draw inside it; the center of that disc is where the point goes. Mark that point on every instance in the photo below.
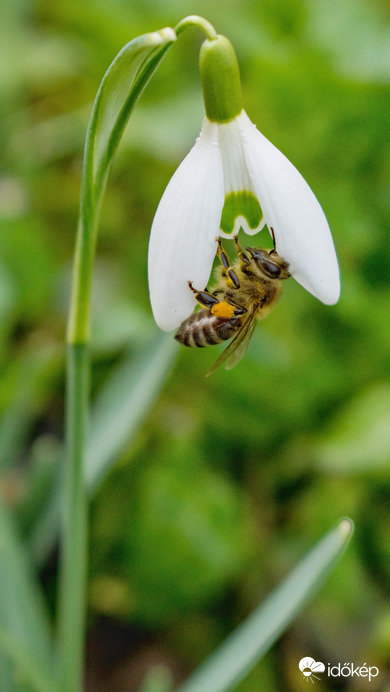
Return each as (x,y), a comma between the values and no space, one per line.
(242,204)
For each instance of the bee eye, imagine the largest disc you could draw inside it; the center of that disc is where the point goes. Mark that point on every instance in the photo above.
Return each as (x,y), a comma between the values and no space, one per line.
(270,268)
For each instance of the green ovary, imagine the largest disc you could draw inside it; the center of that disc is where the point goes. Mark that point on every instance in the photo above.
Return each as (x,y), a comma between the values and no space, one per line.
(244,204)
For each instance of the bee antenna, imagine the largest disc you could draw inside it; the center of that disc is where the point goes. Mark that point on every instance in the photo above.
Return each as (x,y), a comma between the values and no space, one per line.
(273,237)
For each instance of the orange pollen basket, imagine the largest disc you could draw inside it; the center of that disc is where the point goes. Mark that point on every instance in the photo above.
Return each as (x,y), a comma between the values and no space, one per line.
(223,309)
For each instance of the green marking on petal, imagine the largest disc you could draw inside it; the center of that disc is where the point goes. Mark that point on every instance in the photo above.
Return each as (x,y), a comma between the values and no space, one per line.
(244,204)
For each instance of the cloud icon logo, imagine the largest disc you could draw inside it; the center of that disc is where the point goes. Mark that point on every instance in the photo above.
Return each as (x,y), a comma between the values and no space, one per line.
(308,667)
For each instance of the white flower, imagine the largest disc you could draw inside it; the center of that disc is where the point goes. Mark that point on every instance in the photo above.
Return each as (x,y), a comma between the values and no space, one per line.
(234,178)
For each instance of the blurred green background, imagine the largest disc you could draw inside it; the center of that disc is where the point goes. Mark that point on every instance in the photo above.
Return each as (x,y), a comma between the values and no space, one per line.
(227,481)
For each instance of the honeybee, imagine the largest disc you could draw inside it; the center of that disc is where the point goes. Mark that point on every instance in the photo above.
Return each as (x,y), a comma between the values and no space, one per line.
(246,292)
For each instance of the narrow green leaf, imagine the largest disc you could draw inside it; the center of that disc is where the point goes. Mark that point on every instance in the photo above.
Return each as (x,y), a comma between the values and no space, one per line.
(27,669)
(247,644)
(24,388)
(41,473)
(117,415)
(123,404)
(22,611)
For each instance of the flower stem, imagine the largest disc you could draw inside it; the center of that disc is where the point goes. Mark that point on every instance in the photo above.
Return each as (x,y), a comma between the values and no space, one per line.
(79,313)
(200,22)
(73,536)
(118,93)
(72,586)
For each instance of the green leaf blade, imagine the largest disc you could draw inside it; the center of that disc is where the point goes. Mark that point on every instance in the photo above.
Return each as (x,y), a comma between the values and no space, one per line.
(119,411)
(123,404)
(29,670)
(23,615)
(246,645)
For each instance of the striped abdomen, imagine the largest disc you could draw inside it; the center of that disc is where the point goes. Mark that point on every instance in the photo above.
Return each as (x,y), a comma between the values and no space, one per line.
(204,329)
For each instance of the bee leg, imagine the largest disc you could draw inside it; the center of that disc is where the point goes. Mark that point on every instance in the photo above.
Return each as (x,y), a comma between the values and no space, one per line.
(227,270)
(223,257)
(220,308)
(241,254)
(204,298)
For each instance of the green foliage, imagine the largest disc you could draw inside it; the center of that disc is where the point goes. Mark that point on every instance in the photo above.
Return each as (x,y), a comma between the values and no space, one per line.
(359,437)
(189,535)
(238,654)
(220,489)
(25,631)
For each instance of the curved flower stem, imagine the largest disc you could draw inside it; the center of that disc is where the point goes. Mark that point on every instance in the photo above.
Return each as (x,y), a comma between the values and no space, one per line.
(120,89)
(95,173)
(200,22)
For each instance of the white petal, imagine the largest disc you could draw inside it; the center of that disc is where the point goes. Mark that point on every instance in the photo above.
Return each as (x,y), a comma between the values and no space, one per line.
(183,237)
(236,176)
(302,234)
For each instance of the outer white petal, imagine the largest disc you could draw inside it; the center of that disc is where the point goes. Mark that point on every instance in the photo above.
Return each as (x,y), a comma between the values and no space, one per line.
(302,234)
(182,243)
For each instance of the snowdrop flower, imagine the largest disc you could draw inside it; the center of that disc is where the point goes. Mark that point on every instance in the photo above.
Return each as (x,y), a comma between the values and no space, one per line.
(233,178)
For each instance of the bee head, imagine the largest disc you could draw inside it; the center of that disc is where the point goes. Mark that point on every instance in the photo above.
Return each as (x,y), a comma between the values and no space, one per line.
(269,263)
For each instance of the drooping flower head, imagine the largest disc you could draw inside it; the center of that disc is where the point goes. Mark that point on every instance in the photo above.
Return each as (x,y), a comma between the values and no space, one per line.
(232,179)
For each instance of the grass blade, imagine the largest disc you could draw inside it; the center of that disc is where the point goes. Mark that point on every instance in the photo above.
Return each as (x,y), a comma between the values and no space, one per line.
(118,413)
(123,403)
(26,669)
(22,612)
(246,645)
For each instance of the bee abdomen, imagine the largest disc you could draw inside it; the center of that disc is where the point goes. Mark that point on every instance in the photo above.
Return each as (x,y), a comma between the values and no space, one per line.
(204,329)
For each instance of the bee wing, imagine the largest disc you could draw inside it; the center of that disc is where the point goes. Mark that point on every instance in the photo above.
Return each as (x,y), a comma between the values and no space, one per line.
(237,347)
